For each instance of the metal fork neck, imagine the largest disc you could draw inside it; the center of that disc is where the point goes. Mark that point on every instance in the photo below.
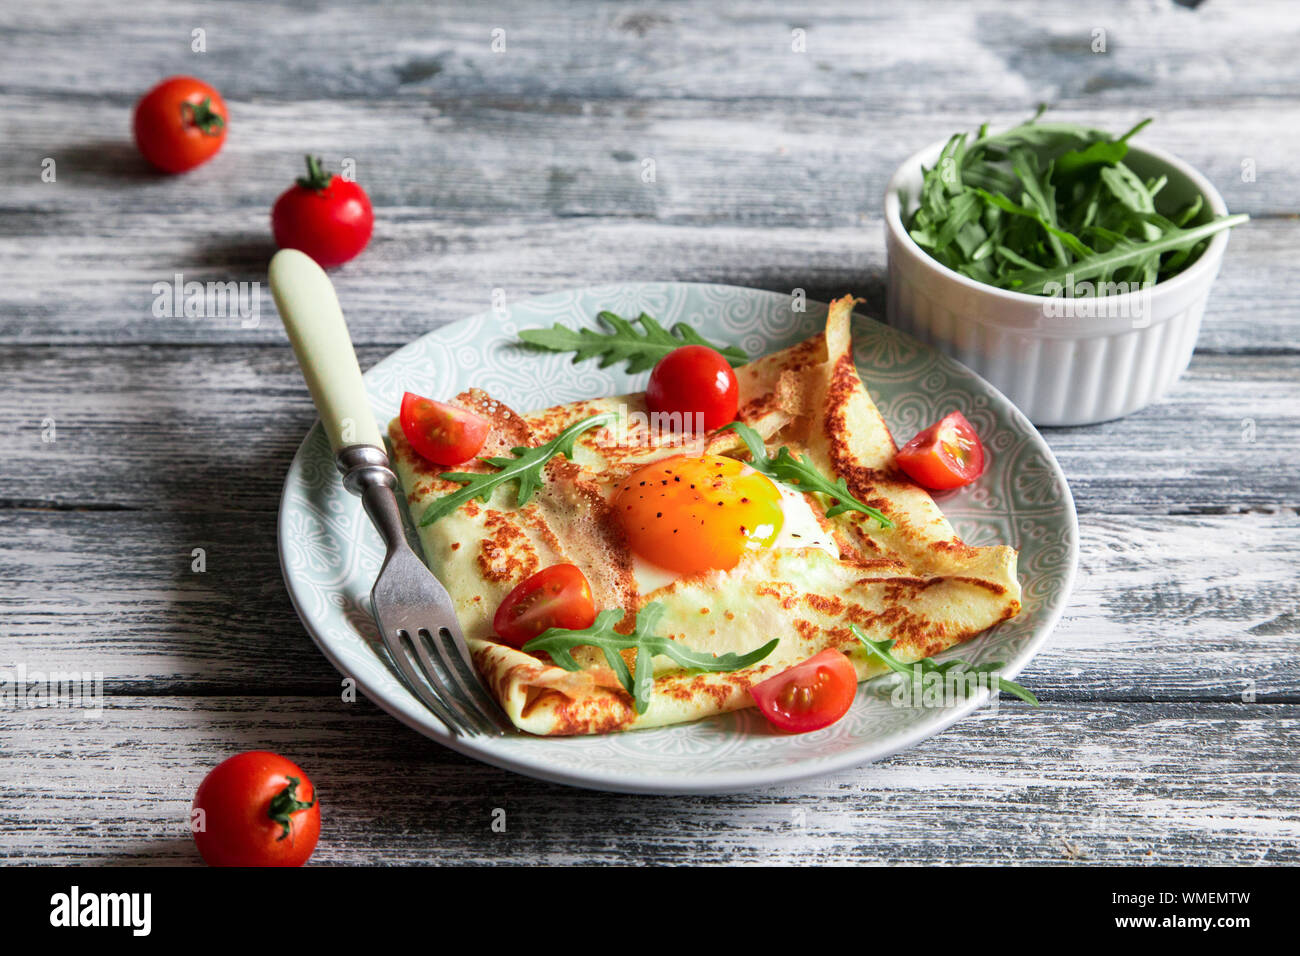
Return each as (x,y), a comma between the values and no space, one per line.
(366,473)
(363,466)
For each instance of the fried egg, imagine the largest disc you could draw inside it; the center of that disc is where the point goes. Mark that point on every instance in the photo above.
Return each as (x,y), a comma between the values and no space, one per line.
(686,515)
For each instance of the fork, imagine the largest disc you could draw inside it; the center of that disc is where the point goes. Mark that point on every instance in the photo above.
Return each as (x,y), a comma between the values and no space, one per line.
(417,622)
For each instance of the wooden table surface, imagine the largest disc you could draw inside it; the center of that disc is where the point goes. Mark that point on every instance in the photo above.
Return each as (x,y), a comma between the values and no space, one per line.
(1171,691)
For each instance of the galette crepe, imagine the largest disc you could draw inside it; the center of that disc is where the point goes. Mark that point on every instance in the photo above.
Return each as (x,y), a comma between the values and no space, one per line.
(620,498)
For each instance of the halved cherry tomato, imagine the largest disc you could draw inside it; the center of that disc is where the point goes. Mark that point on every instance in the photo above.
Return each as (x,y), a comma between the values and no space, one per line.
(326,216)
(257,809)
(558,596)
(180,123)
(810,695)
(691,379)
(946,455)
(444,434)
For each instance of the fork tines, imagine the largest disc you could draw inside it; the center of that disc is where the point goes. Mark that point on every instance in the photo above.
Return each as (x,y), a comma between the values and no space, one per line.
(445,681)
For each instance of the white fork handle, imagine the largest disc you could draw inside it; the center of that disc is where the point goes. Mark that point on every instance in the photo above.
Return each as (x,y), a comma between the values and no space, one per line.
(306,301)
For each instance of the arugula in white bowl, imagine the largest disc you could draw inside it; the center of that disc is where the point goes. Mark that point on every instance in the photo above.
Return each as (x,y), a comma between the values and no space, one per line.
(1026,208)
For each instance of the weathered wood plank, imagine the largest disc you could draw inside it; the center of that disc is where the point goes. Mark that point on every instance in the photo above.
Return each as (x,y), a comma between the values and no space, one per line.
(420,273)
(1066,784)
(215,429)
(896,57)
(743,162)
(1165,608)
(116,593)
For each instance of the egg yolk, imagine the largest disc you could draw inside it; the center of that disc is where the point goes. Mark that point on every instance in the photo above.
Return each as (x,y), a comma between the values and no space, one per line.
(697,513)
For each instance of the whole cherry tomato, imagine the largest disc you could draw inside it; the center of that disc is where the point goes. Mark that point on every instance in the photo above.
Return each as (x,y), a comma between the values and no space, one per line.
(180,123)
(694,379)
(326,216)
(258,809)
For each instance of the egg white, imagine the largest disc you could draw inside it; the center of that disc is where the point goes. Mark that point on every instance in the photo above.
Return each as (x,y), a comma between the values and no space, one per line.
(799,529)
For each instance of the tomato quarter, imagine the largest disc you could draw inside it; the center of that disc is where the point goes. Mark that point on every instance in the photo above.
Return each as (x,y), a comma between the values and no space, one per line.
(694,379)
(809,696)
(946,455)
(256,809)
(180,123)
(327,217)
(443,434)
(558,596)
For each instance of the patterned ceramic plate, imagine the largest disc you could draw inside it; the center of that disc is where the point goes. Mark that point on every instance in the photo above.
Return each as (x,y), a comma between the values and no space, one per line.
(330,553)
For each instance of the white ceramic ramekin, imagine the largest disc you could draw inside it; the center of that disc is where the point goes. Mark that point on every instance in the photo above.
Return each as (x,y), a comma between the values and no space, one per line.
(1058,369)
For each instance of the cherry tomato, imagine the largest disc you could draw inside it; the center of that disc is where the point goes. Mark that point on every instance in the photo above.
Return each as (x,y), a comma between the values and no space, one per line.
(558,596)
(946,455)
(809,696)
(694,378)
(443,434)
(327,217)
(180,124)
(258,809)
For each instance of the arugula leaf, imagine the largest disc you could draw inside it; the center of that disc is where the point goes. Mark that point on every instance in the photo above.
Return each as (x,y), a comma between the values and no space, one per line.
(1188,214)
(641,350)
(1055,233)
(1041,197)
(801,475)
(525,468)
(880,650)
(559,642)
(1123,252)
(1100,152)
